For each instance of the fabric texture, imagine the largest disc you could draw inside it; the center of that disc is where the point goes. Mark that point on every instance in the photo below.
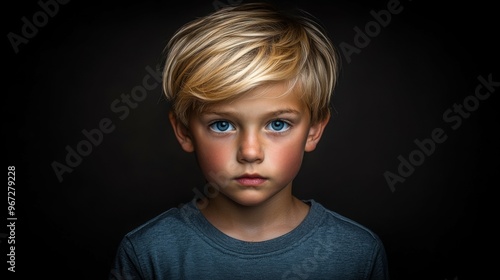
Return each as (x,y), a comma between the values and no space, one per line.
(182,244)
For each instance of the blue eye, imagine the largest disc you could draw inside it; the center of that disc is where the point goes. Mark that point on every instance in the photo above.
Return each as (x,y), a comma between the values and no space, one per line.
(221,126)
(279,126)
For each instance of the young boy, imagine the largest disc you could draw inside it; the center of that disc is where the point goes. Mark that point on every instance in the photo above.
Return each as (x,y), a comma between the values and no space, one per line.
(250,90)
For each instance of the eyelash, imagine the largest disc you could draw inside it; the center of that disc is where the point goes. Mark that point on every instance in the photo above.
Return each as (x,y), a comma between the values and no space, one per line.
(285,123)
(214,123)
(212,127)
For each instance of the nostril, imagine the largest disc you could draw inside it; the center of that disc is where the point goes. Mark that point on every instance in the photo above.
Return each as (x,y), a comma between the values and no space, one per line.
(250,153)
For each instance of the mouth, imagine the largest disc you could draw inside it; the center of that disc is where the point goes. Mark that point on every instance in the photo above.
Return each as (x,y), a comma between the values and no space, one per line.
(250,179)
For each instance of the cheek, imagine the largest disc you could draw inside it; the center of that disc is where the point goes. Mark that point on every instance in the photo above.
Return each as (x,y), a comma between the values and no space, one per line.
(212,157)
(287,157)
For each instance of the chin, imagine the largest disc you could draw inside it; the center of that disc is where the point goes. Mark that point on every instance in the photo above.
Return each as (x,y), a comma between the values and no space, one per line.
(250,199)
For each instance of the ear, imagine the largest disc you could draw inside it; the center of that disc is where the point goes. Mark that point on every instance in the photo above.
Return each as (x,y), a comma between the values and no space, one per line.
(315,132)
(181,133)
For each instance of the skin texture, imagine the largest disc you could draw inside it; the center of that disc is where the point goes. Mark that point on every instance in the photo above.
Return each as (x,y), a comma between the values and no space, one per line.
(250,150)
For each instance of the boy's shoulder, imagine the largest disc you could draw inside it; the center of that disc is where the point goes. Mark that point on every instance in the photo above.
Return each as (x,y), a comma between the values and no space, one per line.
(345,228)
(168,223)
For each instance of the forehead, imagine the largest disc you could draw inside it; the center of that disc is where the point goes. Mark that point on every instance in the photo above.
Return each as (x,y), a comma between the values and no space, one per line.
(269,97)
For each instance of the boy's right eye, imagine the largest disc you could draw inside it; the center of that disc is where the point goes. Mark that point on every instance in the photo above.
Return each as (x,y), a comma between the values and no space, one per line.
(221,126)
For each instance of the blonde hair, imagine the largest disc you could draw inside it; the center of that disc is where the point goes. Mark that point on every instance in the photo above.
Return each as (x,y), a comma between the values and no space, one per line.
(235,49)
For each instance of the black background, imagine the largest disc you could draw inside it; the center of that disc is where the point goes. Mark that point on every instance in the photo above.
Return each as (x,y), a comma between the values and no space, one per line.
(437,224)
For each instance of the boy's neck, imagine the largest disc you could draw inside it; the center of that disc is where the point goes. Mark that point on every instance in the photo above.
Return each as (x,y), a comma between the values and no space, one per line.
(271,219)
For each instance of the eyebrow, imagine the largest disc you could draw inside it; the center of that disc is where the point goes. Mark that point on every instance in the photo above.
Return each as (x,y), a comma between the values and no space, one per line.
(272,113)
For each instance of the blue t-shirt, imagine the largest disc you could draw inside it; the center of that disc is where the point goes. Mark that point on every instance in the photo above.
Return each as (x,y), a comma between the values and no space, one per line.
(182,244)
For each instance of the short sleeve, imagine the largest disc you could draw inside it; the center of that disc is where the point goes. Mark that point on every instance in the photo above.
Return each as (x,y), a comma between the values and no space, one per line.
(380,269)
(126,265)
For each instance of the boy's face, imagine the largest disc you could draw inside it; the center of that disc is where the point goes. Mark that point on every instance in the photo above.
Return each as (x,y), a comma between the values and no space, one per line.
(252,148)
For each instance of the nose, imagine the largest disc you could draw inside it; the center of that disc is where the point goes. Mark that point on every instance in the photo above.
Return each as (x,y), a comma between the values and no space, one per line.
(250,148)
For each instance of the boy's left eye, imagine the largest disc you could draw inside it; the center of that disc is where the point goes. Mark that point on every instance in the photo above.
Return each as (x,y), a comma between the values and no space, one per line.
(278,126)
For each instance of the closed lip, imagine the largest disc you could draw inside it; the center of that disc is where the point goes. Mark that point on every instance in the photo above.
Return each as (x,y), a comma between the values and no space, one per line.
(250,179)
